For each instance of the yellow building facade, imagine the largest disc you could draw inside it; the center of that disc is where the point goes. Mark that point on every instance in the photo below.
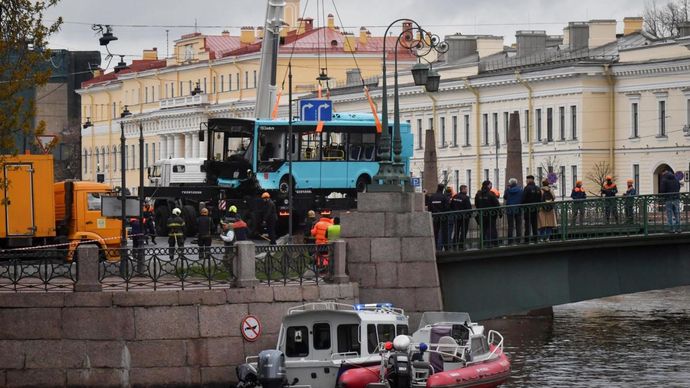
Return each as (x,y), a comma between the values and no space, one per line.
(210,76)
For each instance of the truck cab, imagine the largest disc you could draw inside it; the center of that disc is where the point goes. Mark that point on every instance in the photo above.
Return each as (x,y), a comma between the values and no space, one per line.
(177,172)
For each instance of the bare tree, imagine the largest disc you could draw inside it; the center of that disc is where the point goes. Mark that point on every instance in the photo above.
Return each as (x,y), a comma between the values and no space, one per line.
(665,20)
(597,176)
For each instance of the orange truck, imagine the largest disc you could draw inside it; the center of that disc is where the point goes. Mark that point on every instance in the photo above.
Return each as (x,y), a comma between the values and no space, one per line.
(37,212)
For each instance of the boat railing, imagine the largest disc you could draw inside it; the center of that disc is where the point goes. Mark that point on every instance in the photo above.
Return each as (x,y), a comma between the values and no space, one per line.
(455,351)
(492,341)
(318,306)
(344,356)
(250,359)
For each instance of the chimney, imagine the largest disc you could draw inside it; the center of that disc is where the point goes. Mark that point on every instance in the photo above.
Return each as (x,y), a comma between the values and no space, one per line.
(566,36)
(488,45)
(331,21)
(225,33)
(259,32)
(247,35)
(460,46)
(684,29)
(579,35)
(301,26)
(632,25)
(97,72)
(150,55)
(349,44)
(363,35)
(601,32)
(554,40)
(530,42)
(407,26)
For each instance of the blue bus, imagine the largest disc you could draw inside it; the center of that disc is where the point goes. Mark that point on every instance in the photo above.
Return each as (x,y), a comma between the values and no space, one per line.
(342,157)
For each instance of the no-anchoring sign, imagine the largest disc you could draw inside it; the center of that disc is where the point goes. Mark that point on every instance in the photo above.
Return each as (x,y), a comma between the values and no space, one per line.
(251,328)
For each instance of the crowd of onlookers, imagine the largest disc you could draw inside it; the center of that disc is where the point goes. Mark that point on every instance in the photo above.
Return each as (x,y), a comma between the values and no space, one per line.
(530,212)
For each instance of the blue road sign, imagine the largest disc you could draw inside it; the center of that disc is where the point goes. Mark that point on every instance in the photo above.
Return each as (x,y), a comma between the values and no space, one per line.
(416,181)
(316,110)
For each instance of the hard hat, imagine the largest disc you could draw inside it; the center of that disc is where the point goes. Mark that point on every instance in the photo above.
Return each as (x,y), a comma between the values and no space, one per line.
(233,209)
(133,219)
(609,177)
(630,181)
(311,213)
(578,183)
(204,212)
(177,211)
(265,195)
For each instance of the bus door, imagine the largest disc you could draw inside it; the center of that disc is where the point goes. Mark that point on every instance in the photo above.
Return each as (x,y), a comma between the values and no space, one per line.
(308,170)
(333,160)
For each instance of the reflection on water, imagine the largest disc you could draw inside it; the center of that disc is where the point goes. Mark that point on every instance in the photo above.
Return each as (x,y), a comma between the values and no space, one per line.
(631,340)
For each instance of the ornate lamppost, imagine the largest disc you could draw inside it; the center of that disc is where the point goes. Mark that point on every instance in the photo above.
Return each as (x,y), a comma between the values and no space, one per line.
(391,175)
(123,166)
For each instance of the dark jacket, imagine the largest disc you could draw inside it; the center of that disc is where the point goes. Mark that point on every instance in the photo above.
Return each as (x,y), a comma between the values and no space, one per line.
(578,193)
(205,226)
(513,196)
(175,226)
(241,230)
(460,201)
(670,185)
(531,194)
(630,192)
(269,212)
(609,190)
(484,199)
(438,203)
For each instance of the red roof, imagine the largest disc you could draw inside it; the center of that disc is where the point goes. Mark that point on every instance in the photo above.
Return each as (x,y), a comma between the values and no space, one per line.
(221,44)
(137,65)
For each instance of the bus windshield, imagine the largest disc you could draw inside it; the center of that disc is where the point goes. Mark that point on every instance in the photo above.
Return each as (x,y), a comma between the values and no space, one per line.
(232,140)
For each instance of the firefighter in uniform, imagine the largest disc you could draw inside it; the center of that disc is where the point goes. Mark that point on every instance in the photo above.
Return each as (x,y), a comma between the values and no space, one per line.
(175,231)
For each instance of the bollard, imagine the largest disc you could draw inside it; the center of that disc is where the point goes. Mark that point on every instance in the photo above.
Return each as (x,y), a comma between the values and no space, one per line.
(87,269)
(340,262)
(245,264)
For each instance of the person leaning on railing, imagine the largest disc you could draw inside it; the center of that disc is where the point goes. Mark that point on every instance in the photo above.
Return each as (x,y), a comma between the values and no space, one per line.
(609,190)
(547,212)
(513,196)
(438,203)
(461,202)
(485,198)
(578,195)
(670,187)
(629,195)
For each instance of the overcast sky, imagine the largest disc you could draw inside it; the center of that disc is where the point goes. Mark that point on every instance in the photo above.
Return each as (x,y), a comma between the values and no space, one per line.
(497,17)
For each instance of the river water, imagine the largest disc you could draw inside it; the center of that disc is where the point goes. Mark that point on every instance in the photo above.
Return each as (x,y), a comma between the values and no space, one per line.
(640,340)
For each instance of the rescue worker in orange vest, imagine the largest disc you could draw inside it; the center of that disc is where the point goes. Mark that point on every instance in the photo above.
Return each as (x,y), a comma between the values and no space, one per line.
(609,190)
(578,194)
(149,228)
(319,232)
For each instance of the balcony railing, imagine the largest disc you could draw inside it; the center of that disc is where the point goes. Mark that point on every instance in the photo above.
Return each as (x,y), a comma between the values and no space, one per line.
(176,102)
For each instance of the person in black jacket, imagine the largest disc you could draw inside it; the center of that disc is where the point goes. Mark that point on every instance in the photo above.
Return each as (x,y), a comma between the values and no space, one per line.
(438,203)
(670,188)
(485,198)
(461,202)
(206,229)
(531,195)
(270,217)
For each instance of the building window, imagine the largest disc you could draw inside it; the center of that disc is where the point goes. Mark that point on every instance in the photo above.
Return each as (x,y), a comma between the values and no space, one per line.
(237,80)
(486,174)
(561,123)
(506,126)
(467,130)
(205,85)
(188,52)
(443,132)
(255,79)
(562,179)
(146,94)
(457,180)
(134,157)
(455,130)
(115,153)
(549,124)
(86,162)
(540,175)
(213,85)
(687,112)
(468,180)
(497,141)
(420,133)
(246,79)
(635,119)
(172,89)
(573,121)
(146,153)
(573,173)
(166,90)
(229,82)
(153,153)
(636,178)
(191,87)
(538,114)
(222,83)
(496,177)
(485,126)
(662,118)
(527,126)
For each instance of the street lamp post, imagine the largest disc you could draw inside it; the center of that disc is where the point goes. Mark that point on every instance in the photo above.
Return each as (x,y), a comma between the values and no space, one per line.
(141,176)
(391,175)
(123,198)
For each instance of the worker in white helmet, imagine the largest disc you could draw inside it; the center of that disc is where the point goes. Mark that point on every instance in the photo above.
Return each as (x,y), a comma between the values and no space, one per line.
(175,231)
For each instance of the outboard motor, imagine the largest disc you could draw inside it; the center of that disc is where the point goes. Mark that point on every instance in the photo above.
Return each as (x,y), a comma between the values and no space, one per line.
(246,375)
(271,369)
(399,370)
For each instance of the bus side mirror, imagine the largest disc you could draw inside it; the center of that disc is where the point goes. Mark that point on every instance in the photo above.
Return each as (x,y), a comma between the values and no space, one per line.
(202,134)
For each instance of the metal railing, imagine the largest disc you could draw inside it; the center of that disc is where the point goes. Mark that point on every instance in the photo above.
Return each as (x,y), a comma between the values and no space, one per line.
(37,270)
(294,264)
(488,228)
(169,268)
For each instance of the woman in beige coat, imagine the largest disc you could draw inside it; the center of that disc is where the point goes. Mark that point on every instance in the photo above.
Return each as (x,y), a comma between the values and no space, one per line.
(547,213)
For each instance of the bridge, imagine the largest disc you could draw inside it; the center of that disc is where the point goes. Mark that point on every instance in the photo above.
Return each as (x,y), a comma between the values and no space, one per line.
(597,248)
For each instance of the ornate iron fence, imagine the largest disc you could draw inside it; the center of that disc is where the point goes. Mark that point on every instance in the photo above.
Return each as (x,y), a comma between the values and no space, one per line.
(561,221)
(37,270)
(166,268)
(294,264)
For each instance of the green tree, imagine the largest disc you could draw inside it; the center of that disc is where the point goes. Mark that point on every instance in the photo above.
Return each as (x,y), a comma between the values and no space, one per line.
(24,58)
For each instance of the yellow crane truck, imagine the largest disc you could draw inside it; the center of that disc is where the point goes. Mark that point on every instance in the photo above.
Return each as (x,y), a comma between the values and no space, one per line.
(40,213)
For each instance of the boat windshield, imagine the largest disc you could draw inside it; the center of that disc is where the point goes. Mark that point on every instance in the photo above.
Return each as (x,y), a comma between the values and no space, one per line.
(430,318)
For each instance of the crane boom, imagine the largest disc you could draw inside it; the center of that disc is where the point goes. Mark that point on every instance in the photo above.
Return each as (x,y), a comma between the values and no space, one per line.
(266,89)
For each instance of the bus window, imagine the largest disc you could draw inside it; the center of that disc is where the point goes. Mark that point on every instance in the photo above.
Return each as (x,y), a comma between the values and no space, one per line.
(309,146)
(334,146)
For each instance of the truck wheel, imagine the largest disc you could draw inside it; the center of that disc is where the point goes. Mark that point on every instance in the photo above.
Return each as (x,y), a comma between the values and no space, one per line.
(162,213)
(189,215)
(362,183)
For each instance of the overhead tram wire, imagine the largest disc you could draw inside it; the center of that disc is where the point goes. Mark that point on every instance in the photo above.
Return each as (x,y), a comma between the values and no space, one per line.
(354,58)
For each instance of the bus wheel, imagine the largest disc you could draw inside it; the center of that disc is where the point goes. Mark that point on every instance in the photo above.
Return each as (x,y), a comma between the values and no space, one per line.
(362,183)
(284,185)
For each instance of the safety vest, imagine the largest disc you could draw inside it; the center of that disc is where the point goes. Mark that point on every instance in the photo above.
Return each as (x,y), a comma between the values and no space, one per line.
(333,232)
(319,230)
(175,227)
